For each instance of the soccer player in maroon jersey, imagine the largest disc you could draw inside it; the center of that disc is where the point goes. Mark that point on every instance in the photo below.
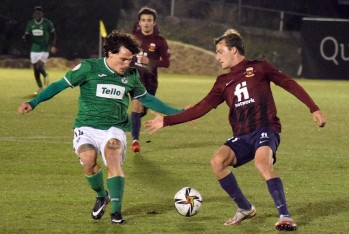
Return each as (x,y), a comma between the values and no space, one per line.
(154,53)
(256,127)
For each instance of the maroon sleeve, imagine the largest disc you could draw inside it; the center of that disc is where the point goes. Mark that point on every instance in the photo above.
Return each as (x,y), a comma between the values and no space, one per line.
(195,112)
(291,86)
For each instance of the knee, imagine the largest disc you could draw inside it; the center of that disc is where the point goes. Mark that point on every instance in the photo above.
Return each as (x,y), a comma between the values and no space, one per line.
(216,162)
(113,144)
(137,106)
(88,156)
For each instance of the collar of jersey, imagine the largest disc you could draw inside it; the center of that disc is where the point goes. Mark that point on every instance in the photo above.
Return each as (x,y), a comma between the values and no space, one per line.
(106,65)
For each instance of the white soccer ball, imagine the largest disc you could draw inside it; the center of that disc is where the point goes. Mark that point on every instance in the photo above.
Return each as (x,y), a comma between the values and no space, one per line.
(188,201)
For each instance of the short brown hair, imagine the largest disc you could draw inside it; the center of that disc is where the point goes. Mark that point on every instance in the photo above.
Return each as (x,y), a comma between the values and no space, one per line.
(147,11)
(232,39)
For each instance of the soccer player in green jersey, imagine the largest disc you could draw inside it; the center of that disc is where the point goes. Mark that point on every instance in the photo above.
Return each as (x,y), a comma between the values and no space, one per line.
(42,35)
(105,87)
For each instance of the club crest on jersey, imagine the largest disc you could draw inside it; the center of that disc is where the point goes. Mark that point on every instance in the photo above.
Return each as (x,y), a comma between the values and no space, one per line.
(152,47)
(124,80)
(249,72)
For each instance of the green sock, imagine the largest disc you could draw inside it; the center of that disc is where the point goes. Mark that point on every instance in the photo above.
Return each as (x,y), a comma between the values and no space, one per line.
(96,182)
(116,189)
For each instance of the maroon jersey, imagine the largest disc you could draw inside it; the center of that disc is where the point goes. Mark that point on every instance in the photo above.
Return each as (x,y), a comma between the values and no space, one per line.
(156,49)
(247,92)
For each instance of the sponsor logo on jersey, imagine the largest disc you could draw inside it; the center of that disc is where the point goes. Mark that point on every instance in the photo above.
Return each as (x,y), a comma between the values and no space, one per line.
(37,32)
(249,72)
(102,75)
(242,94)
(110,91)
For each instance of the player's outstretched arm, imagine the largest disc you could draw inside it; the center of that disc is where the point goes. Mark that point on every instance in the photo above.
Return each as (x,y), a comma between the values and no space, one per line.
(319,118)
(25,107)
(151,126)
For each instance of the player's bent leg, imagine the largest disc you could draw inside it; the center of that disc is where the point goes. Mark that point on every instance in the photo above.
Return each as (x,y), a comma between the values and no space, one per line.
(113,155)
(88,157)
(136,115)
(221,160)
(37,78)
(94,177)
(116,181)
(41,67)
(264,162)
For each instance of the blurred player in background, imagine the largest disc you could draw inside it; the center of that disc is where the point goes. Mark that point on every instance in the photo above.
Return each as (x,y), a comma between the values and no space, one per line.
(105,85)
(256,127)
(41,33)
(154,53)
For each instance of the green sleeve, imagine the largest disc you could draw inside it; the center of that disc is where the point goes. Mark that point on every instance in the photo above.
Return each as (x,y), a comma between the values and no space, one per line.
(157,105)
(49,92)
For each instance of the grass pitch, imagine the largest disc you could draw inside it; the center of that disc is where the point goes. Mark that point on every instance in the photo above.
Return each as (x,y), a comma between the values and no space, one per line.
(43,189)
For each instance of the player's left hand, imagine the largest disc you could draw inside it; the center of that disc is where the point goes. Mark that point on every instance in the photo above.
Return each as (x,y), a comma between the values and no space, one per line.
(151,126)
(53,50)
(319,118)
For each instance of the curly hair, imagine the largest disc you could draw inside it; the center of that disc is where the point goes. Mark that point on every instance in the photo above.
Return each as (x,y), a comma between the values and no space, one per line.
(232,39)
(117,39)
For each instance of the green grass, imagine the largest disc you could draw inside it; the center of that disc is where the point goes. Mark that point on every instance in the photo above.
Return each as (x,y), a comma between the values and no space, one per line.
(43,189)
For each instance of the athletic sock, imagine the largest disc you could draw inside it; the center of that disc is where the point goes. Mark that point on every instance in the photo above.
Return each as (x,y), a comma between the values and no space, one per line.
(116,190)
(230,185)
(96,183)
(41,68)
(136,125)
(276,191)
(37,77)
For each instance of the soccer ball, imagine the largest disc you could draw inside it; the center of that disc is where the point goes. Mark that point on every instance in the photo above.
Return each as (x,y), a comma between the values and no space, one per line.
(188,201)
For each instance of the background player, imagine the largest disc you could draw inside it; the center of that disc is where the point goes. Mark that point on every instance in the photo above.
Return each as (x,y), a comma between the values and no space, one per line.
(41,33)
(105,85)
(154,53)
(246,90)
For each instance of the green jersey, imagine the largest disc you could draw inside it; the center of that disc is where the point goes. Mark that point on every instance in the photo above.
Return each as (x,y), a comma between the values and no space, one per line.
(40,32)
(104,94)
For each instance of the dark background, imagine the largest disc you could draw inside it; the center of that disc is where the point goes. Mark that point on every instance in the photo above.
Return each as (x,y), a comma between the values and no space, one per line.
(77,22)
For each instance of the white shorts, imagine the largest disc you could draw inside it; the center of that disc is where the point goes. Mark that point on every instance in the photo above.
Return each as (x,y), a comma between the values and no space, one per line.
(37,56)
(99,138)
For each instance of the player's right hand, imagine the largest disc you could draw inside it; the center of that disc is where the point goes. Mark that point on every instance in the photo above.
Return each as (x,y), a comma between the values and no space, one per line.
(25,107)
(319,118)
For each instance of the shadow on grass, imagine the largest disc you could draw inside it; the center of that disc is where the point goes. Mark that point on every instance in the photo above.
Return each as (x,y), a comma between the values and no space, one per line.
(194,145)
(29,96)
(321,209)
(154,175)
